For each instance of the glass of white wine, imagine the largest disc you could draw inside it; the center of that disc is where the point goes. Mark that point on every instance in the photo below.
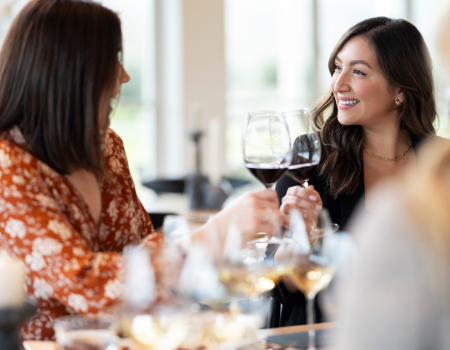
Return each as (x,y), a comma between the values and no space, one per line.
(313,261)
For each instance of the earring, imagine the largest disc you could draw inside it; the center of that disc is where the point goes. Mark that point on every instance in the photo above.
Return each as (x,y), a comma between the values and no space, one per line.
(398,103)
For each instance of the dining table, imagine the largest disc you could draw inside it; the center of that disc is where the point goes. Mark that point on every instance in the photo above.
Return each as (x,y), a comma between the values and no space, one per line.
(285,337)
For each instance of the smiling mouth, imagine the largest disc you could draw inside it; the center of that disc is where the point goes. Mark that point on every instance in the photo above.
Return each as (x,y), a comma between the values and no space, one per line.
(348,102)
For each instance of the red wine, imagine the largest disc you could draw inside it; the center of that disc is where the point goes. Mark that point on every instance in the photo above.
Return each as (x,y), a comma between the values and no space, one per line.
(268,176)
(301,172)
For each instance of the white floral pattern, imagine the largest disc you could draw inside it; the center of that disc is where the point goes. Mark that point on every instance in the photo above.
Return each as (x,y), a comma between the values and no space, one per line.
(72,265)
(15,228)
(77,302)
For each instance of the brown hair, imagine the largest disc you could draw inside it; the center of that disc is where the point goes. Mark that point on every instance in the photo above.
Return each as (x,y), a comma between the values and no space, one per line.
(405,62)
(58,64)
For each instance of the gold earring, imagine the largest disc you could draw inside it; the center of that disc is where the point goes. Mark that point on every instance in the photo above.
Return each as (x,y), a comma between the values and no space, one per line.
(398,103)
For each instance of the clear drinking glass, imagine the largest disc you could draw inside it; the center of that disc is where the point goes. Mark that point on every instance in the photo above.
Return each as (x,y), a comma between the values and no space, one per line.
(266,146)
(79,333)
(313,261)
(306,147)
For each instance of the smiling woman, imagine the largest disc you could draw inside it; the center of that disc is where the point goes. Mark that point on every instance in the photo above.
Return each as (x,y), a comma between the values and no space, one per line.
(380,107)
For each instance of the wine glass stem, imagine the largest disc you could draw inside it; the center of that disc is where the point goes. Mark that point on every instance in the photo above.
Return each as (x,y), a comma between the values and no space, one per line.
(310,319)
(307,217)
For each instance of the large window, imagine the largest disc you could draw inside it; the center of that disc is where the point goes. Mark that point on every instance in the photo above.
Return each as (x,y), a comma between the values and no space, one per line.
(268,52)
(133,119)
(278,50)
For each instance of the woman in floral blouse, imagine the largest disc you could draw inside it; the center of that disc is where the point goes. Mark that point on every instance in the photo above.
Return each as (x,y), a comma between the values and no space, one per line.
(68,205)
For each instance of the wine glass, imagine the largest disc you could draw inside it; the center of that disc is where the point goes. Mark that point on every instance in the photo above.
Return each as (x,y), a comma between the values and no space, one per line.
(313,261)
(306,148)
(266,146)
(244,268)
(78,332)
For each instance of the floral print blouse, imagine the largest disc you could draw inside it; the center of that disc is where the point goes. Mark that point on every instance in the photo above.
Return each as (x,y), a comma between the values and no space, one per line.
(73,265)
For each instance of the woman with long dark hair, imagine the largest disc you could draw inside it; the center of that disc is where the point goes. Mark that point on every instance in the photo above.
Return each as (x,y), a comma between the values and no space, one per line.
(68,205)
(380,107)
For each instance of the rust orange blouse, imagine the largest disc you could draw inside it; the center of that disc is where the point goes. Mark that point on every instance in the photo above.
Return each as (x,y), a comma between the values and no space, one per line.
(72,266)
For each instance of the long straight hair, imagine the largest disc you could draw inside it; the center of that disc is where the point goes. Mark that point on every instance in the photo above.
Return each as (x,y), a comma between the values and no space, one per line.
(58,68)
(405,61)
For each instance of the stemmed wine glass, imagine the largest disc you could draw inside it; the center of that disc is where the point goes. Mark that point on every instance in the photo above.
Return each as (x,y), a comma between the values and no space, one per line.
(306,147)
(306,150)
(266,146)
(313,260)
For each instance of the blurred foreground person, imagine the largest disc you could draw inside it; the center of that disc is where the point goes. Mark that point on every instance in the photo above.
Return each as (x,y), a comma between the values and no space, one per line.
(68,205)
(398,296)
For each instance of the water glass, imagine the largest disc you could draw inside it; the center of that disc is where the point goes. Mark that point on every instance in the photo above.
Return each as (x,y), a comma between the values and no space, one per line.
(79,333)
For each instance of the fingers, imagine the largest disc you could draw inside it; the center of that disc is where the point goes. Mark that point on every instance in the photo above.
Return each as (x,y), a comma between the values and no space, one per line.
(262,200)
(258,220)
(307,198)
(300,204)
(270,195)
(306,194)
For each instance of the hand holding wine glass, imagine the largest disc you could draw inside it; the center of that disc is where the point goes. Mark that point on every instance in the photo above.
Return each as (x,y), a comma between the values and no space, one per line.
(253,212)
(305,200)
(306,154)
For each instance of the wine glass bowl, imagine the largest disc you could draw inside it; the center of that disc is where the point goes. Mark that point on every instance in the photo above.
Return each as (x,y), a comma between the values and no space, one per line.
(195,330)
(306,148)
(266,146)
(306,152)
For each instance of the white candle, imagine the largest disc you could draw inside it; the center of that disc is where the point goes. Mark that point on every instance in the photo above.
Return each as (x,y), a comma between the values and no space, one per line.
(214,160)
(12,293)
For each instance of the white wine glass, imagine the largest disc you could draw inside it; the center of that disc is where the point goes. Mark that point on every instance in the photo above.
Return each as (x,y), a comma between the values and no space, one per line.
(313,261)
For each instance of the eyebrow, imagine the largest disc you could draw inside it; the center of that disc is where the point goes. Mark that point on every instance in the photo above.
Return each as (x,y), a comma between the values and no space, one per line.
(352,63)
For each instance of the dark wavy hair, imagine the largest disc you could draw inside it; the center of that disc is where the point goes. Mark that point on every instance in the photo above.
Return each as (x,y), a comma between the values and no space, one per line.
(58,68)
(406,63)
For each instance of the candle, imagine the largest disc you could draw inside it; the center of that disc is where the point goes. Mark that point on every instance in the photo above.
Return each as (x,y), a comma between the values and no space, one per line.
(12,293)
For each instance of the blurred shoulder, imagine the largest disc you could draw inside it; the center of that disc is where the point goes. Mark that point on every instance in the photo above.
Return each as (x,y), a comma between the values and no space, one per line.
(437,142)
(113,143)
(113,137)
(444,140)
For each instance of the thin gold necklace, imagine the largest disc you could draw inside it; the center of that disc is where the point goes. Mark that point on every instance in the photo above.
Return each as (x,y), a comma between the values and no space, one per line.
(389,159)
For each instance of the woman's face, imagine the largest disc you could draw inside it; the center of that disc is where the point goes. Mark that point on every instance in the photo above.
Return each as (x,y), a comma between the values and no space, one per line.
(363,95)
(122,78)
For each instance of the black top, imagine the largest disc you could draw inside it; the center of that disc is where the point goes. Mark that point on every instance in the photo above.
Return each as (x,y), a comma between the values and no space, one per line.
(340,208)
(294,305)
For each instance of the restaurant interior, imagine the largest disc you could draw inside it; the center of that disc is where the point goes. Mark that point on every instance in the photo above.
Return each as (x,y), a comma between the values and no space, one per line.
(274,174)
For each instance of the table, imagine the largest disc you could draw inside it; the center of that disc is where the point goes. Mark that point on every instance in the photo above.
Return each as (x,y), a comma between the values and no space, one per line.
(262,334)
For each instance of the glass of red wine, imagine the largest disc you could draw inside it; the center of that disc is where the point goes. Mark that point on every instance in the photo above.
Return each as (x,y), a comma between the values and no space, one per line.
(266,146)
(306,148)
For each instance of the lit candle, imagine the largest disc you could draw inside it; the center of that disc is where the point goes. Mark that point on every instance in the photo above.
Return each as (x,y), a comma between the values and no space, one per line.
(12,293)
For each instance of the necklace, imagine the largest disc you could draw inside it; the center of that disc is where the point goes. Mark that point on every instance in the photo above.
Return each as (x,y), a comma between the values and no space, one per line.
(389,159)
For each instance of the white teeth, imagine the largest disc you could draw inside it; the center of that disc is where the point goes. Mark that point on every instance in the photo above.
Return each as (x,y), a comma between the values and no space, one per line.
(348,102)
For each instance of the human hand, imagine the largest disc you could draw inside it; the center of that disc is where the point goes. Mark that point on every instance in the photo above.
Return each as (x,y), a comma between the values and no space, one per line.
(307,201)
(252,213)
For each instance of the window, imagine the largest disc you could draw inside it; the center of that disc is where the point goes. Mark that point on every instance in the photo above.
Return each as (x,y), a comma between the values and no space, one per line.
(133,120)
(272,62)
